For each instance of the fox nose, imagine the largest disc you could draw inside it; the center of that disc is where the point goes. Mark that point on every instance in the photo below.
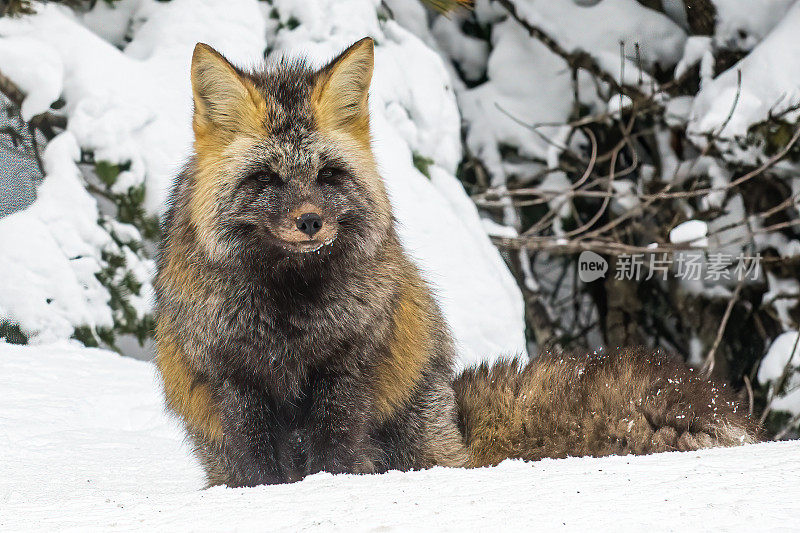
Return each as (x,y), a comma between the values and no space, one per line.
(309,223)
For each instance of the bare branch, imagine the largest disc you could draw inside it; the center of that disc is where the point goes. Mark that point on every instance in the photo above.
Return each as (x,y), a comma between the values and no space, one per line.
(708,366)
(579,59)
(45,122)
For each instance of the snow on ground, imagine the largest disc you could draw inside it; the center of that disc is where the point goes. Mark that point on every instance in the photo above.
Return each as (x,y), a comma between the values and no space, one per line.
(86,447)
(131,102)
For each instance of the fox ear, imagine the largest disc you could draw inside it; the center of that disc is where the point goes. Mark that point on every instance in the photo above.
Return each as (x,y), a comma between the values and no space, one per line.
(341,90)
(222,97)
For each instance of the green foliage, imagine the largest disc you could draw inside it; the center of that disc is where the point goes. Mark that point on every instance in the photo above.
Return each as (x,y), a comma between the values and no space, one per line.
(130,205)
(85,335)
(773,136)
(109,172)
(422,164)
(292,23)
(289,24)
(116,275)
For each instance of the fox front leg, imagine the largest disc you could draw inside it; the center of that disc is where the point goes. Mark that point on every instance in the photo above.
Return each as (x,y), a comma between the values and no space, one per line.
(337,439)
(252,431)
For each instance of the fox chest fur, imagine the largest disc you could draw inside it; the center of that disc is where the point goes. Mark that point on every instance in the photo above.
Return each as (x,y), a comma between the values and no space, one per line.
(272,328)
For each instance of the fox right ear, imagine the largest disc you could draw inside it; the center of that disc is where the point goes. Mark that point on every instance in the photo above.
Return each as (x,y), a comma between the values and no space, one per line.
(223,98)
(341,90)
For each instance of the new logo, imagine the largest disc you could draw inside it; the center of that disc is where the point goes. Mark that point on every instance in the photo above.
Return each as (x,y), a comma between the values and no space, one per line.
(591,267)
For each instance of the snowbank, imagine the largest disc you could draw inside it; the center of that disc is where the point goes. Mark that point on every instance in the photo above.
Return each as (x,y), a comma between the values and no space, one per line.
(133,105)
(86,446)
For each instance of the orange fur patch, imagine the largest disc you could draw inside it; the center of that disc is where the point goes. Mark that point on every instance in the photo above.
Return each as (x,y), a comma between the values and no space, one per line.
(229,116)
(224,101)
(217,157)
(179,278)
(411,349)
(340,99)
(185,392)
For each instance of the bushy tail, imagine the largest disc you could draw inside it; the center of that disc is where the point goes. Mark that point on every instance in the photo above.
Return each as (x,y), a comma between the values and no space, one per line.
(627,401)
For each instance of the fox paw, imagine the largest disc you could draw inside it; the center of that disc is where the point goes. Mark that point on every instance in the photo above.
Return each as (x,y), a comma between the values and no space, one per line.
(668,438)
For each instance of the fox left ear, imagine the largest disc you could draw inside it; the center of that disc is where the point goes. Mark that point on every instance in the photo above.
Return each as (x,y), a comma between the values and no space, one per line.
(223,99)
(341,90)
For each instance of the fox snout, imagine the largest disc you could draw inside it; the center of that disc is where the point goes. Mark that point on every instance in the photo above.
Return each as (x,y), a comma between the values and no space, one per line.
(305,229)
(309,223)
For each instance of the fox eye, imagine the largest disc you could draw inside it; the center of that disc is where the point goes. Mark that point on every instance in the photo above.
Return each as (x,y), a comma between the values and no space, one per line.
(329,175)
(264,176)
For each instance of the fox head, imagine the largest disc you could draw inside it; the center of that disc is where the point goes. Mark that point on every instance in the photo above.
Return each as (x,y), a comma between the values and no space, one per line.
(283,161)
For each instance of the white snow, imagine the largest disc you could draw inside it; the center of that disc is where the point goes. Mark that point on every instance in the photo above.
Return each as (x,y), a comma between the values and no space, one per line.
(692,231)
(498,230)
(37,70)
(779,289)
(133,104)
(469,52)
(698,48)
(520,93)
(746,23)
(784,351)
(50,253)
(86,447)
(770,81)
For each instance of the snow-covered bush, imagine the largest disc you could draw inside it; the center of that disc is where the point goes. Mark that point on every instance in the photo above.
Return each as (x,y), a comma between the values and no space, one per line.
(637,130)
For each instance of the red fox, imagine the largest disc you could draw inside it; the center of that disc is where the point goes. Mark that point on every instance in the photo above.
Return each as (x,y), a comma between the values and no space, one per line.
(294,334)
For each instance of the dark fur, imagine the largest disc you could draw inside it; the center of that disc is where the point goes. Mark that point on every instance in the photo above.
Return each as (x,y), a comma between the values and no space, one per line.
(283,363)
